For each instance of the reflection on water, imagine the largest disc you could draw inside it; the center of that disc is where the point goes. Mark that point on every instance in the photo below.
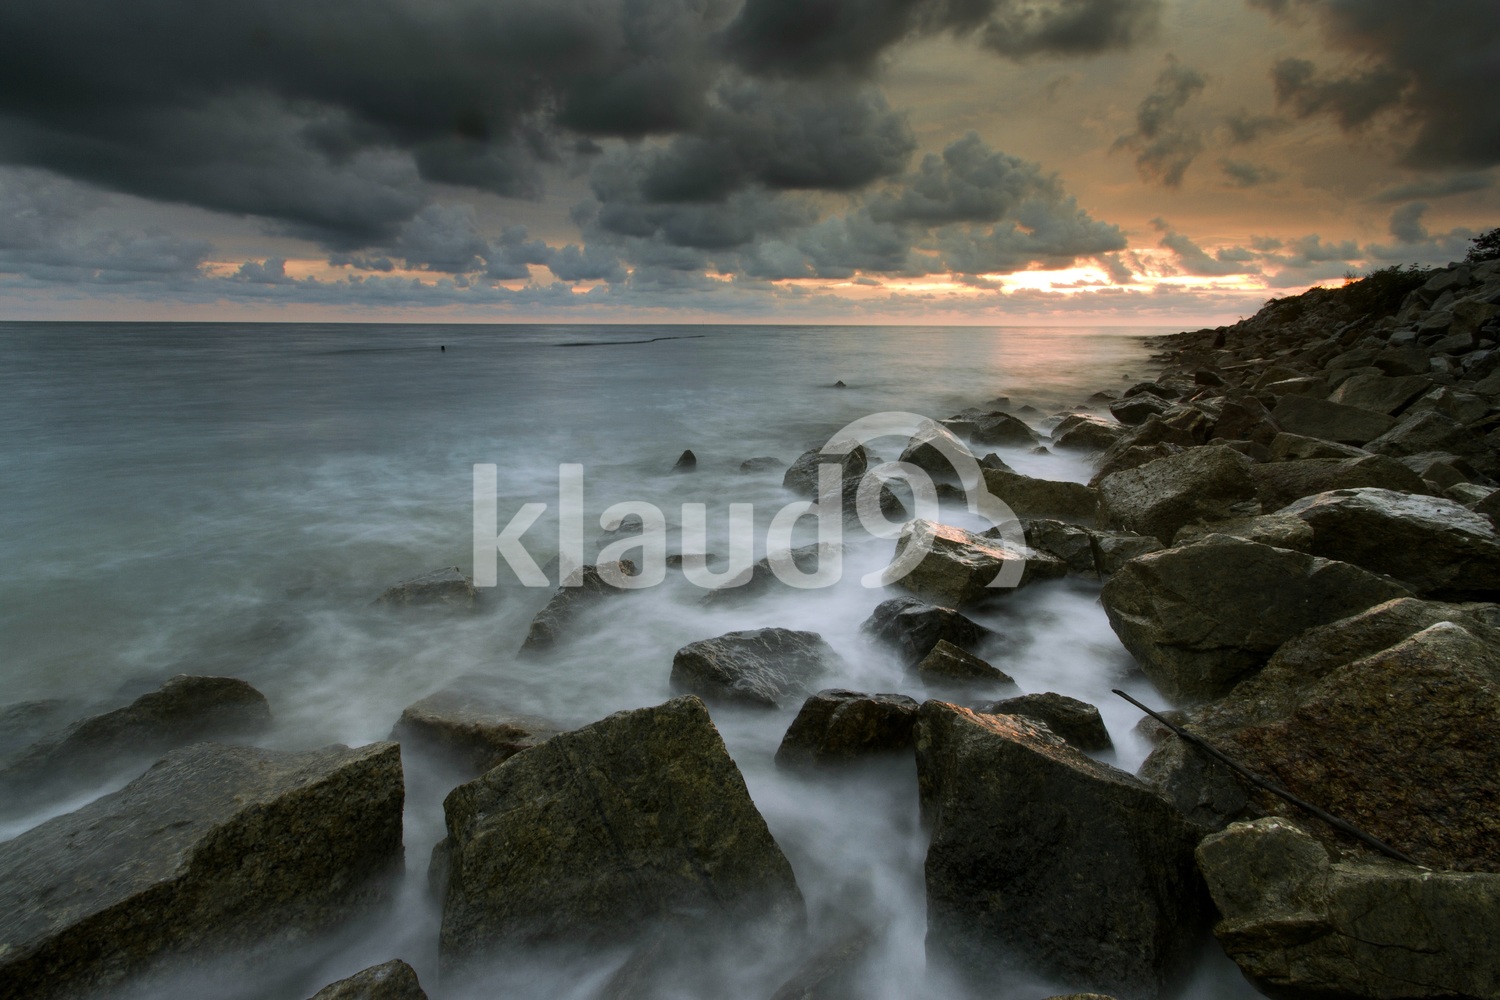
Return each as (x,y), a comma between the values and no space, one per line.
(228,499)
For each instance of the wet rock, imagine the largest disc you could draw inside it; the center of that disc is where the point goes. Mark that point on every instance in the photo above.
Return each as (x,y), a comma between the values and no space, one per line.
(1245,418)
(471,725)
(1381,393)
(1081,432)
(1465,407)
(1015,814)
(836,726)
(1000,430)
(1205,791)
(214,849)
(947,664)
(1028,497)
(1132,456)
(1279,483)
(761,463)
(1134,410)
(1285,531)
(1427,430)
(446,587)
(915,627)
(1292,447)
(1073,544)
(1434,546)
(1202,617)
(1159,389)
(1160,497)
(184,710)
(1301,925)
(1440,469)
(25,722)
(928,450)
(555,622)
(395,980)
(767,667)
(686,462)
(1321,418)
(1076,721)
(802,477)
(1301,385)
(761,578)
(607,830)
(832,973)
(1113,549)
(959,565)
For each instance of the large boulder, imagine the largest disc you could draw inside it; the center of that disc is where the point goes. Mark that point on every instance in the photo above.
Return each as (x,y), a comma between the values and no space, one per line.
(186,709)
(959,565)
(1428,430)
(1158,498)
(1322,418)
(1436,547)
(1281,530)
(394,980)
(929,451)
(1076,721)
(468,723)
(1028,497)
(949,666)
(1000,429)
(1082,432)
(837,726)
(1042,855)
(765,667)
(556,621)
(1381,393)
(1286,447)
(1134,410)
(802,476)
(914,628)
(1202,617)
(214,849)
(447,587)
(1306,926)
(638,819)
(1245,418)
(1279,483)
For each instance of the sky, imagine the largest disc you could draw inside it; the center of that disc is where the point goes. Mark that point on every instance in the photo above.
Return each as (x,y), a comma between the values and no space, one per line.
(1068,162)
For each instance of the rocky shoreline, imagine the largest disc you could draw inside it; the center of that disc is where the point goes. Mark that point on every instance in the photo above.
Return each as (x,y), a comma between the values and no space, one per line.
(1293,532)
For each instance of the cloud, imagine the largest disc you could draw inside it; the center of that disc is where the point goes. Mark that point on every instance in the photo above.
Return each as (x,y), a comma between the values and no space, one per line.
(1190,258)
(1406,223)
(1164,147)
(810,38)
(1431,66)
(1245,128)
(48,237)
(1246,175)
(1435,187)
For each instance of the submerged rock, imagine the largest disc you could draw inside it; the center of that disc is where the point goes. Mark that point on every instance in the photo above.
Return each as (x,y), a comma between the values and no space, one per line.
(1160,497)
(554,622)
(947,664)
(999,429)
(915,627)
(446,587)
(802,477)
(1042,855)
(1303,925)
(1202,617)
(215,848)
(471,725)
(1076,721)
(1434,546)
(395,980)
(837,726)
(607,830)
(766,667)
(959,565)
(184,710)
(686,462)
(761,463)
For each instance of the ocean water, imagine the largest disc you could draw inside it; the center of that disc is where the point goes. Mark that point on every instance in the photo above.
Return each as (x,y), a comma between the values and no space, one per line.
(229,498)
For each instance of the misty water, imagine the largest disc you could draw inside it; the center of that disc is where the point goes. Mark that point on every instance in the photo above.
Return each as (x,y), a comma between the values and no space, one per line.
(228,499)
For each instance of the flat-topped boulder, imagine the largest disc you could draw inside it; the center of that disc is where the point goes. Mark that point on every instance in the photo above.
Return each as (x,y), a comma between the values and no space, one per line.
(764,667)
(393,980)
(959,566)
(214,849)
(1434,546)
(1284,531)
(1029,497)
(184,710)
(1202,617)
(1044,857)
(1158,498)
(446,588)
(1303,924)
(1085,432)
(1286,447)
(914,628)
(1279,483)
(1381,393)
(1322,418)
(836,726)
(470,724)
(608,830)
(1134,410)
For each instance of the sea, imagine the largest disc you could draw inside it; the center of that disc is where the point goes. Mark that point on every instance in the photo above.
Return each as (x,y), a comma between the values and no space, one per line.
(231,498)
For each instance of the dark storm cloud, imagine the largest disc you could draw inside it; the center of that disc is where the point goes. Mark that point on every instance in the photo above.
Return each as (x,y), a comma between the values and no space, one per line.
(821,37)
(1244,127)
(969,182)
(329,116)
(1165,147)
(1434,187)
(1435,64)
(46,237)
